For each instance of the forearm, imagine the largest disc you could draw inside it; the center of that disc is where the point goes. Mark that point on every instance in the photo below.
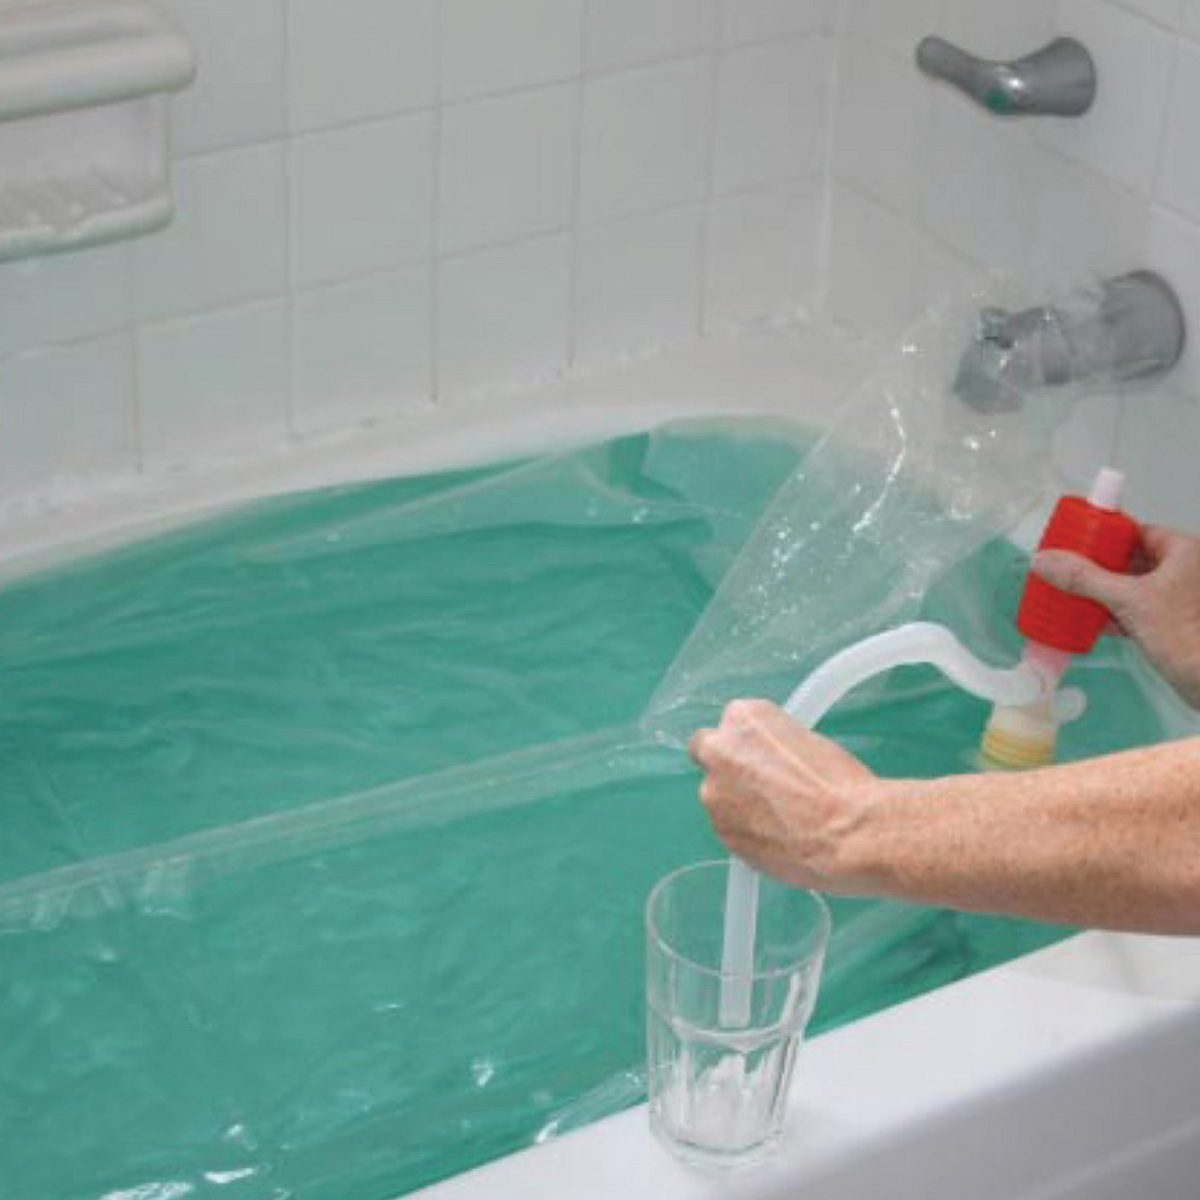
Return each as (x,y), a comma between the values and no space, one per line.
(1110,843)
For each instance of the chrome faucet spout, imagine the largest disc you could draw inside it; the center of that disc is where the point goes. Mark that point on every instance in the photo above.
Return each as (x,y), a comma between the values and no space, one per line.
(1127,328)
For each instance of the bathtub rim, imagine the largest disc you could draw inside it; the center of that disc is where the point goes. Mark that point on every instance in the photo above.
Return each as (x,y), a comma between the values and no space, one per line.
(1001,1045)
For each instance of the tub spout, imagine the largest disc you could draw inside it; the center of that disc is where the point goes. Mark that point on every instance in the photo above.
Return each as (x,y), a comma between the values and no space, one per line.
(1127,328)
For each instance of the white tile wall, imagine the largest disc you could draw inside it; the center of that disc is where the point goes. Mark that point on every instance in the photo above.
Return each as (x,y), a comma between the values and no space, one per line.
(362,198)
(502,317)
(639,284)
(1179,175)
(895,24)
(64,297)
(387,203)
(976,183)
(495,45)
(1156,447)
(622,33)
(763,261)
(245,94)
(212,383)
(874,259)
(1005,30)
(228,243)
(645,136)
(351,60)
(507,168)
(762,20)
(1065,247)
(1053,202)
(883,111)
(67,414)
(361,350)
(384,203)
(1165,12)
(772,109)
(1086,441)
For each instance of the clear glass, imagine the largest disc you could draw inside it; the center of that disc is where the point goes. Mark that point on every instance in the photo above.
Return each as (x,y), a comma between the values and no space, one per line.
(718,1095)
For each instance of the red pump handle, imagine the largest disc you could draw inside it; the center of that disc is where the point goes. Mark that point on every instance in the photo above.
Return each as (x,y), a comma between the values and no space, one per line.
(1096,529)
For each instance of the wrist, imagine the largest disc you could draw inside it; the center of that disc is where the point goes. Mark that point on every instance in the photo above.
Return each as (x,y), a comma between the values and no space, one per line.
(858,860)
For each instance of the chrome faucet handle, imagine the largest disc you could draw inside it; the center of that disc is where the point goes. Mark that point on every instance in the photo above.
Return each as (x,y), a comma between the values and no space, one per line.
(1058,80)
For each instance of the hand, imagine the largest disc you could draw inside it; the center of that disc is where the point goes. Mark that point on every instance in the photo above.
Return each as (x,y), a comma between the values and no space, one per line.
(1158,606)
(780,797)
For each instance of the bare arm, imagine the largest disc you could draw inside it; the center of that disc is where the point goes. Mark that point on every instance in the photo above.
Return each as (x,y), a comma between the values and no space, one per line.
(1112,843)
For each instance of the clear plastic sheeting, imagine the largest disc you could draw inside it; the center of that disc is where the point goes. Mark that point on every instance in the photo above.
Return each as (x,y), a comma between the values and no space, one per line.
(393,630)
(907,482)
(328,825)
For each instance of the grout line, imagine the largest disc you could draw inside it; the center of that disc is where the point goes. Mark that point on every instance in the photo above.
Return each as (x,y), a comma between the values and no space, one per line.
(257,304)
(824,283)
(132,338)
(1115,426)
(1172,27)
(709,198)
(290,416)
(919,229)
(130,329)
(411,265)
(742,190)
(1182,215)
(575,225)
(1158,169)
(289,134)
(434,383)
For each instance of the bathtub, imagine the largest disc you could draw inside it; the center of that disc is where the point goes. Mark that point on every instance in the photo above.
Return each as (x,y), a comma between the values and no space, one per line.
(1064,1075)
(1068,1073)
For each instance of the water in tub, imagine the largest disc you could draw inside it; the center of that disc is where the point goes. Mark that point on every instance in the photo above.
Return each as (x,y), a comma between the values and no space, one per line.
(328,824)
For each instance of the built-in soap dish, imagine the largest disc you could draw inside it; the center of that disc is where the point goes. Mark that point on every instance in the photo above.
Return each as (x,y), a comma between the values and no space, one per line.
(83,121)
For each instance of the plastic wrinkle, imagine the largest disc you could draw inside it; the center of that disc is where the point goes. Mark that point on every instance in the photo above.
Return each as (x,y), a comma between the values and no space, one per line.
(907,481)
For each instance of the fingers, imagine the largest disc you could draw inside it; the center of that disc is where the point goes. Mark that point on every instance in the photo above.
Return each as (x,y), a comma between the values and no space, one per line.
(743,714)
(739,718)
(757,734)
(1158,541)
(747,727)
(698,745)
(1082,577)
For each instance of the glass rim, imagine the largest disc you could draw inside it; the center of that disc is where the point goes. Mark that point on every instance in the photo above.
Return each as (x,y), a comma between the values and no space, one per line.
(820,906)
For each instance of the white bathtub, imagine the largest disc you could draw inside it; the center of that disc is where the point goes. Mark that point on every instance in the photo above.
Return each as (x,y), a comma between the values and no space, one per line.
(1069,1073)
(1065,1075)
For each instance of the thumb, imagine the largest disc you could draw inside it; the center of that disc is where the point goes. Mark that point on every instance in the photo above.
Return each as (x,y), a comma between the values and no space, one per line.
(1081,577)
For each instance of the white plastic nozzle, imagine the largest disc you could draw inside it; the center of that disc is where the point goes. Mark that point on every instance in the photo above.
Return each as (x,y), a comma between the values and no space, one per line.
(1107,489)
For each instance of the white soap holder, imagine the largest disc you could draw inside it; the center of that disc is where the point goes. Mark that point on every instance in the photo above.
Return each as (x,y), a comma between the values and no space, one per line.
(83,121)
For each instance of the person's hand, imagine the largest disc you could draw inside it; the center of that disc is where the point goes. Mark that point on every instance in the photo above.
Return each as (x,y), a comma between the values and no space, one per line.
(1158,605)
(782,798)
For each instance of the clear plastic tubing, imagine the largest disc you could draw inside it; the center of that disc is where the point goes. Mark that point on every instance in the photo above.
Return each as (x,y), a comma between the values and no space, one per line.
(920,642)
